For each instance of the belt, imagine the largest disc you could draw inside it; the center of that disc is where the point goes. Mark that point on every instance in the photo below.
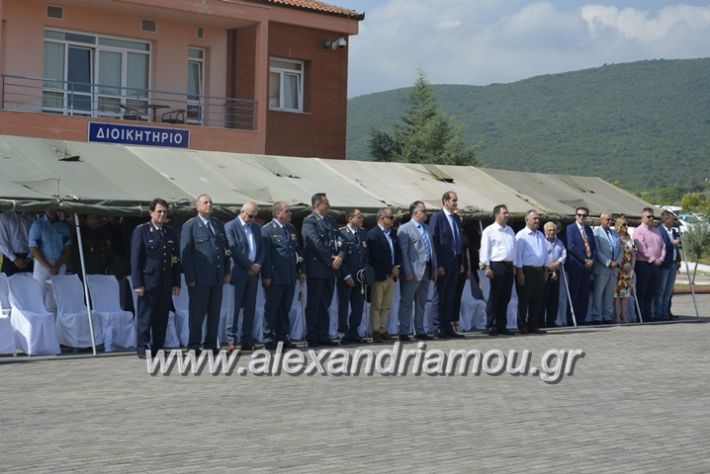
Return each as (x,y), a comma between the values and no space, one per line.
(504,262)
(539,269)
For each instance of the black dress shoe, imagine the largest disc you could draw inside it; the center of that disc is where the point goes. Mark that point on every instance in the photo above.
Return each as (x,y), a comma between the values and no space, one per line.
(248,346)
(443,335)
(404,338)
(457,335)
(423,337)
(537,331)
(141,355)
(327,342)
(523,330)
(270,346)
(673,317)
(290,345)
(505,332)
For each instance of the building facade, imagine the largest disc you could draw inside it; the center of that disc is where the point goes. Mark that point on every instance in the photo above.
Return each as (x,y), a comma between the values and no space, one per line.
(251,76)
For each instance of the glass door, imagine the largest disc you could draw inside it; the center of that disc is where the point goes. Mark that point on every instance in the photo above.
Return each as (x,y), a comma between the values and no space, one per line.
(109,83)
(79,78)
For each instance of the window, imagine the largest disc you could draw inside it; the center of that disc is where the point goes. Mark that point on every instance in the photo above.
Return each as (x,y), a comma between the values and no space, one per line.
(94,75)
(195,84)
(286,85)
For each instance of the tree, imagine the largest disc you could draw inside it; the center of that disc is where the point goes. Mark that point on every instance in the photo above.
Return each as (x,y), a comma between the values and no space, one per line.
(424,135)
(696,243)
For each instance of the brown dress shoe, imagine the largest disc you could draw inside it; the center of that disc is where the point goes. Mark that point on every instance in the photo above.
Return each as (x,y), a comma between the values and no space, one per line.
(248,346)
(376,337)
(386,337)
(231,348)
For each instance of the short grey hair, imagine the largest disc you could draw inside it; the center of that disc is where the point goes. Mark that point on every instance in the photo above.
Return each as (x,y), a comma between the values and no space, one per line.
(249,204)
(550,225)
(381,212)
(278,207)
(197,199)
(606,213)
(527,214)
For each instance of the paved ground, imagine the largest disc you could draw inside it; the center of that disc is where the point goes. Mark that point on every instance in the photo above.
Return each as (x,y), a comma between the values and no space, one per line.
(639,401)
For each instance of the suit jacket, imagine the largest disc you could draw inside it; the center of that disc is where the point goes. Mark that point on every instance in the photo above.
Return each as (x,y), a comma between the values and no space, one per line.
(281,253)
(668,261)
(355,252)
(413,250)
(605,252)
(576,253)
(205,259)
(155,262)
(380,253)
(321,242)
(239,248)
(449,255)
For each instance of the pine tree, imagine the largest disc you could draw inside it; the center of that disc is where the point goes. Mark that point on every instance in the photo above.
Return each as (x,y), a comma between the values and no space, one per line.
(424,135)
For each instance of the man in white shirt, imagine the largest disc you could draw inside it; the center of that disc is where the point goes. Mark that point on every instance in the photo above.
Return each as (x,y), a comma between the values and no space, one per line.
(556,256)
(14,246)
(498,255)
(530,268)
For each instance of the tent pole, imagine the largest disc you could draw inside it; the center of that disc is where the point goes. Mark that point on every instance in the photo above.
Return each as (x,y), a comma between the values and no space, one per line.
(636,300)
(86,286)
(569,296)
(687,272)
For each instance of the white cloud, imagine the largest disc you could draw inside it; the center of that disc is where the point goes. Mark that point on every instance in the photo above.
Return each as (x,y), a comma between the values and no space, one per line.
(464,42)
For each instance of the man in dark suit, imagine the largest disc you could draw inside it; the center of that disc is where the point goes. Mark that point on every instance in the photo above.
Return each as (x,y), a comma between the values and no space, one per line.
(351,291)
(383,253)
(581,254)
(278,275)
(155,272)
(669,268)
(323,256)
(205,261)
(247,252)
(446,230)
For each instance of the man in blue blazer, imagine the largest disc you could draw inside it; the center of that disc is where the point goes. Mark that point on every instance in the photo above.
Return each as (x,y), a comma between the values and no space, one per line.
(282,266)
(606,269)
(385,260)
(247,252)
(205,262)
(323,256)
(351,291)
(669,268)
(155,273)
(446,230)
(581,254)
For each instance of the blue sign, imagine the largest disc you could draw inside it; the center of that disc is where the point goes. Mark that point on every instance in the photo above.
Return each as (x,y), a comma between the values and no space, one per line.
(132,135)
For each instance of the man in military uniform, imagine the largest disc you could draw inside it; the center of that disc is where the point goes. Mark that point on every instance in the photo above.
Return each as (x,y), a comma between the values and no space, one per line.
(323,256)
(97,244)
(278,275)
(155,271)
(351,284)
(205,261)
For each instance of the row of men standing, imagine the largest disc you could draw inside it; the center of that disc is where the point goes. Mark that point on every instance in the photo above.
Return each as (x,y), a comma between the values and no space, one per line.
(274,253)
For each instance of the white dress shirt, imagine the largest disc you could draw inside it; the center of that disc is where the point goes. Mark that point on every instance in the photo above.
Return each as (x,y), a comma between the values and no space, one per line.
(14,229)
(497,244)
(388,234)
(530,248)
(250,239)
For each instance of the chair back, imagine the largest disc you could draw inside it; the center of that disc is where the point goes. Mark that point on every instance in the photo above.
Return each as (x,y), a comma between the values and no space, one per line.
(182,301)
(26,293)
(68,293)
(105,293)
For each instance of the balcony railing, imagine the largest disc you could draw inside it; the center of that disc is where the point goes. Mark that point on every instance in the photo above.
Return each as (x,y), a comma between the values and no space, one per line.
(33,94)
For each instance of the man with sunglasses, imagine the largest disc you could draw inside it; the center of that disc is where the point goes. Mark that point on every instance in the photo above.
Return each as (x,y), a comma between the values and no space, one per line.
(385,259)
(650,254)
(247,252)
(581,254)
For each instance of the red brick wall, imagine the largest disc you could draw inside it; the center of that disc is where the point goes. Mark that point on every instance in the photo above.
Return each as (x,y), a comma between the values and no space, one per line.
(245,59)
(320,130)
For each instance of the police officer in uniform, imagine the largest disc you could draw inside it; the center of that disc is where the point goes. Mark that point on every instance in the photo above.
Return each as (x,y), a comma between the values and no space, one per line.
(155,272)
(205,261)
(351,283)
(282,259)
(98,247)
(323,256)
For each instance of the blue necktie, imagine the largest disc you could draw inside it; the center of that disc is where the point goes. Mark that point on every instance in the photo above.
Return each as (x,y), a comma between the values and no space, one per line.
(455,231)
(427,245)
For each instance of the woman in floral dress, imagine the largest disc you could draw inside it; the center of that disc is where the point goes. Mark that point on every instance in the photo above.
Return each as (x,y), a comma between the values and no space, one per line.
(623,287)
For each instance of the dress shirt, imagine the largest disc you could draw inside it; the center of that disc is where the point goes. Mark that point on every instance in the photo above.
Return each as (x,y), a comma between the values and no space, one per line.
(530,248)
(250,239)
(14,229)
(497,244)
(388,234)
(50,237)
(556,252)
(454,230)
(649,244)
(670,236)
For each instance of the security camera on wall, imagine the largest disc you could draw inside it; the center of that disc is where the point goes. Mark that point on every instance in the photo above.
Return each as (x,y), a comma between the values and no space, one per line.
(341,43)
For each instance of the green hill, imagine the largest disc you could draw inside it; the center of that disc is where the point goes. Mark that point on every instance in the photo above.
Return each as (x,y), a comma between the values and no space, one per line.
(643,124)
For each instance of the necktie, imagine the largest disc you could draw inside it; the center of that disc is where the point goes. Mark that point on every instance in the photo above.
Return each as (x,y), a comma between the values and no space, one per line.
(611,243)
(455,231)
(209,227)
(427,245)
(357,241)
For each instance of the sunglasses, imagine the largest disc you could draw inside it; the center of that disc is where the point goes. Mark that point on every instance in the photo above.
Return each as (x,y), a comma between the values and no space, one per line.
(581,215)
(650,217)
(388,217)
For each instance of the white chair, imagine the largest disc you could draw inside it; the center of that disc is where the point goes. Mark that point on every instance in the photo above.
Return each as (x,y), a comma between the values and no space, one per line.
(7,333)
(182,314)
(119,327)
(171,338)
(297,315)
(72,320)
(473,311)
(35,329)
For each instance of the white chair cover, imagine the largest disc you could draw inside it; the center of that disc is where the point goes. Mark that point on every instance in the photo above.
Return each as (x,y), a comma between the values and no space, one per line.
(171,338)
(35,329)
(119,328)
(72,322)
(182,314)
(297,315)
(7,333)
(473,311)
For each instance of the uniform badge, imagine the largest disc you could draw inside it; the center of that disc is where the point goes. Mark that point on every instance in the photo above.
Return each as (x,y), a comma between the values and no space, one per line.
(293,236)
(227,252)
(174,261)
(364,244)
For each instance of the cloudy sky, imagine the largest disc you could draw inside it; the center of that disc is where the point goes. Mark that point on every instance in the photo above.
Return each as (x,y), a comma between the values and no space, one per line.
(480,42)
